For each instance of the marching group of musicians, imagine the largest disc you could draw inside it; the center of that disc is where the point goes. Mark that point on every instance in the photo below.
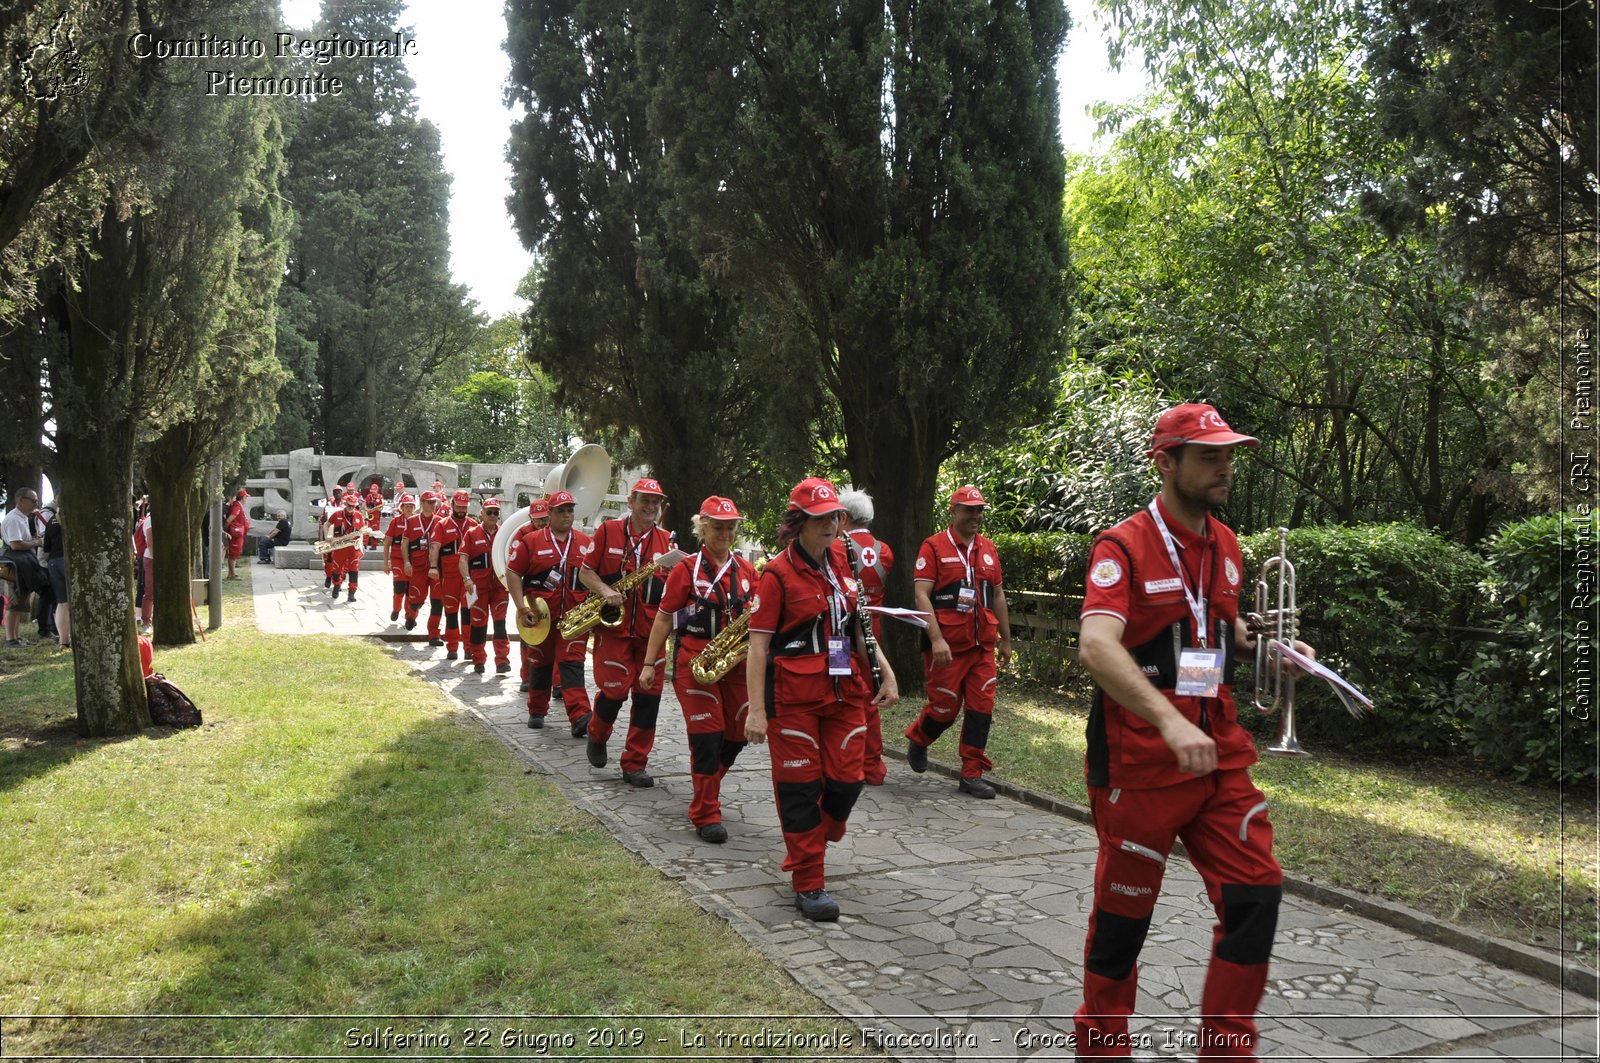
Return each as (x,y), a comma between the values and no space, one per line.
(787,656)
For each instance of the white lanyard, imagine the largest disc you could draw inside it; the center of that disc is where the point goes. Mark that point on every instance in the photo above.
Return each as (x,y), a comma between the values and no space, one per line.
(715,580)
(1197,603)
(562,553)
(966,559)
(638,550)
(841,602)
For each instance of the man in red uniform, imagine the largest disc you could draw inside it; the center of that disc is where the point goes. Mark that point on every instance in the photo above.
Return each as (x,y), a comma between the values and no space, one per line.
(394,552)
(415,546)
(446,565)
(876,560)
(488,596)
(621,546)
(538,520)
(1167,757)
(373,504)
(958,581)
(347,559)
(544,564)
(238,524)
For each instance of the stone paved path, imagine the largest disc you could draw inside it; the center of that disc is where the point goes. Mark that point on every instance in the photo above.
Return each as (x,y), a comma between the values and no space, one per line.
(963,921)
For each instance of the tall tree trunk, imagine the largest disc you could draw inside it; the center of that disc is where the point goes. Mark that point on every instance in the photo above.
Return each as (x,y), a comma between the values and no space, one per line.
(369,404)
(94,384)
(173,528)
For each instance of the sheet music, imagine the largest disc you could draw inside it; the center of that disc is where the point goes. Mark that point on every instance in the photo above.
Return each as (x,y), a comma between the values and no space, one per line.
(1354,701)
(908,616)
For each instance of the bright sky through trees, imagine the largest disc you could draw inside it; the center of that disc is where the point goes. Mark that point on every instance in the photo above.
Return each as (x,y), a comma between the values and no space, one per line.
(460,69)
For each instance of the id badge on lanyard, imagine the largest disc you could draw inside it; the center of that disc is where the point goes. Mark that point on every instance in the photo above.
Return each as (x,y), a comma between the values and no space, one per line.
(838,645)
(967,594)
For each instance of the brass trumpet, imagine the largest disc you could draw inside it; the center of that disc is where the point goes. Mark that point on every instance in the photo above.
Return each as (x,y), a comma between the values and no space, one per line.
(723,653)
(1276,620)
(327,546)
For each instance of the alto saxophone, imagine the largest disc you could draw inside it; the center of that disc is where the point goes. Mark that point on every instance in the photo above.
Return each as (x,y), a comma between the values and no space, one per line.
(597,612)
(723,653)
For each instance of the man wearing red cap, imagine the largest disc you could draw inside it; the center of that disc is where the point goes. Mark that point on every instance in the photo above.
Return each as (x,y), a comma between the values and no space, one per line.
(394,552)
(705,593)
(373,504)
(958,581)
(1167,756)
(621,546)
(238,524)
(347,559)
(488,595)
(448,567)
(544,564)
(415,546)
(538,520)
(809,683)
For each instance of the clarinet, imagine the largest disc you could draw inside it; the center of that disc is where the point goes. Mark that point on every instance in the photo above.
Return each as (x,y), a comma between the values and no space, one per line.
(863,617)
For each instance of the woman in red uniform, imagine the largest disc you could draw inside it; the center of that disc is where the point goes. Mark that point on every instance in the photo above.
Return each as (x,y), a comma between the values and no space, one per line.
(810,684)
(394,554)
(705,593)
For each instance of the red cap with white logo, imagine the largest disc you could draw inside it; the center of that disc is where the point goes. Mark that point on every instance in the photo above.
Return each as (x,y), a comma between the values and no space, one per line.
(1198,423)
(539,507)
(561,498)
(718,508)
(647,486)
(967,496)
(815,497)
(462,498)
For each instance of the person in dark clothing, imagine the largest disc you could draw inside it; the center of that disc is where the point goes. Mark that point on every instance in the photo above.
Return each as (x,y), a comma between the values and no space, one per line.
(269,543)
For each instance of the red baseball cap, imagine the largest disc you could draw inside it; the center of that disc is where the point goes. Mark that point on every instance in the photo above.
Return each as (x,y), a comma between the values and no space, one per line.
(352,498)
(968,496)
(561,498)
(647,486)
(374,489)
(242,493)
(429,496)
(539,507)
(463,497)
(490,503)
(718,508)
(815,497)
(1195,422)
(407,500)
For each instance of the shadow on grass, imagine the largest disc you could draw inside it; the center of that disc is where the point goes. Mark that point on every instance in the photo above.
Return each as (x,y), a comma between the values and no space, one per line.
(437,879)
(38,715)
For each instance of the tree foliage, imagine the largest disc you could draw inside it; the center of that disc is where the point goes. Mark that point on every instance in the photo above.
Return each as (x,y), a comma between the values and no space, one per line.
(368,275)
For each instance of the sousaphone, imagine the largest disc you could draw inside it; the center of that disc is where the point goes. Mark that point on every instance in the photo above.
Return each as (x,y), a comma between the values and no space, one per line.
(586,473)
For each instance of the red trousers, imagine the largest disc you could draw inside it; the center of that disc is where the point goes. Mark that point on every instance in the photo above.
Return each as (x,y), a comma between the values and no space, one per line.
(967,682)
(419,589)
(489,603)
(1222,820)
(714,716)
(817,749)
(548,657)
(617,662)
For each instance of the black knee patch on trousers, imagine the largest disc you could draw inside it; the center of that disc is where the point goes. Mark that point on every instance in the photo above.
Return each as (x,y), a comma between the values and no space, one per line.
(645,709)
(1249,921)
(1116,944)
(730,752)
(436,607)
(931,729)
(353,577)
(705,753)
(571,675)
(975,729)
(605,707)
(797,806)
(838,798)
(402,587)
(540,679)
(500,630)
(479,635)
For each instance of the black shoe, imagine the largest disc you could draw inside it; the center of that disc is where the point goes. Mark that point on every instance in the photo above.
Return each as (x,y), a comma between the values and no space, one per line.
(352,595)
(978,787)
(817,906)
(336,590)
(524,686)
(916,756)
(394,615)
(452,655)
(436,642)
(596,752)
(715,833)
(411,623)
(502,667)
(641,779)
(327,581)
(536,723)
(580,726)
(477,667)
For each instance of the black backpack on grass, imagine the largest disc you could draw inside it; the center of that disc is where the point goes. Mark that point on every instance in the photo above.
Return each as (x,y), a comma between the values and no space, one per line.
(169,706)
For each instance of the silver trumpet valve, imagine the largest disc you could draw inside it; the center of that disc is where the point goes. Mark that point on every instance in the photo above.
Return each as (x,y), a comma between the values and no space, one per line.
(1276,620)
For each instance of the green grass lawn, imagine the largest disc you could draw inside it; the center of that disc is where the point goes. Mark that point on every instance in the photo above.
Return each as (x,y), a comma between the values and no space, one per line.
(335,841)
(1442,837)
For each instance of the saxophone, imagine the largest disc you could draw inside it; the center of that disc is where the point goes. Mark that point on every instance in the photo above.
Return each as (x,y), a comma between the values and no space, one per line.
(723,653)
(597,612)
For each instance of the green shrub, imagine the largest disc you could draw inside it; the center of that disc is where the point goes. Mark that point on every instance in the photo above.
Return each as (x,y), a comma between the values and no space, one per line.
(1520,706)
(1050,563)
(1377,602)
